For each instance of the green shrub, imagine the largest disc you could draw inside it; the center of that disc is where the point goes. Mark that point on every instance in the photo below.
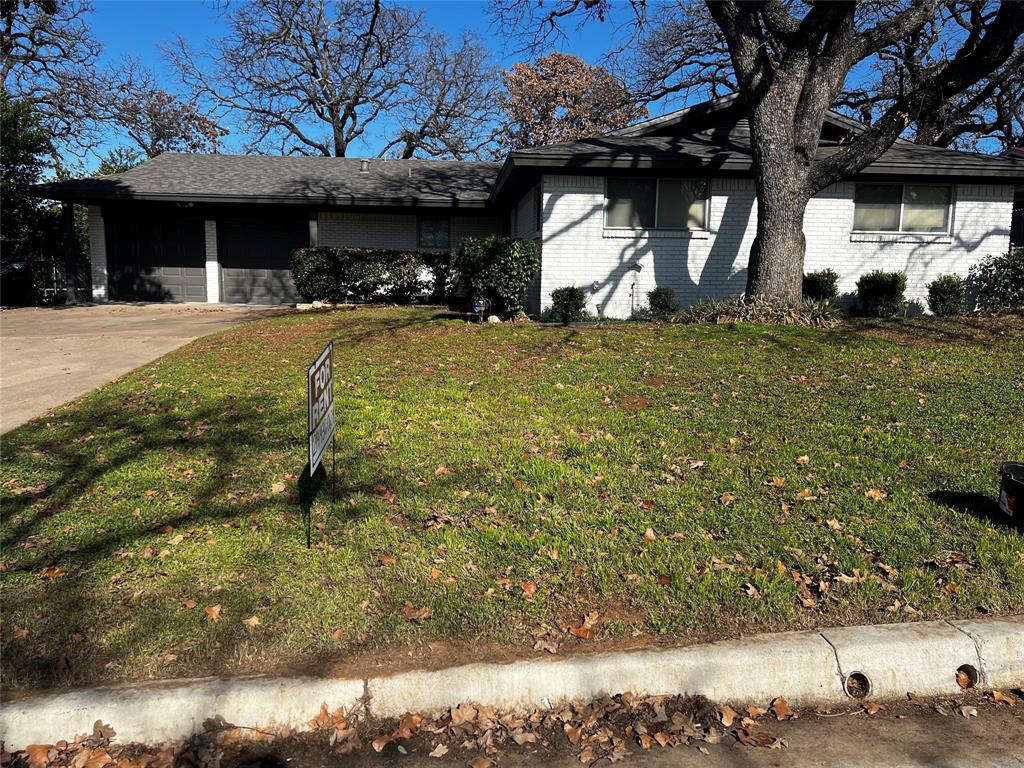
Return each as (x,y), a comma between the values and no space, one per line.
(881,294)
(362,274)
(663,303)
(997,283)
(498,269)
(568,305)
(758,309)
(946,295)
(821,286)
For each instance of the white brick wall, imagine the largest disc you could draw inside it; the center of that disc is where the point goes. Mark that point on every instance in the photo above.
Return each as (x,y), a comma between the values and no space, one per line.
(392,230)
(618,270)
(98,254)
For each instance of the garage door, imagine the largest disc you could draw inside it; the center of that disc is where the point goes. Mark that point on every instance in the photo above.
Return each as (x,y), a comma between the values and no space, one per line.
(256,255)
(155,258)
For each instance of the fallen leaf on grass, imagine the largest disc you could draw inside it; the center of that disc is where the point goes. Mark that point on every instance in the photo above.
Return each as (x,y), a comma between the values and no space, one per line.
(387,560)
(278,488)
(582,633)
(441,470)
(51,572)
(777,481)
(801,460)
(20,633)
(529,589)
(727,498)
(412,613)
(439,751)
(213,612)
(650,535)
(252,622)
(337,634)
(188,603)
(875,494)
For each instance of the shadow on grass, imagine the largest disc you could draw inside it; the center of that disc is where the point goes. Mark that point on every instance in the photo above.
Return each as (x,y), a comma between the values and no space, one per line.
(979,505)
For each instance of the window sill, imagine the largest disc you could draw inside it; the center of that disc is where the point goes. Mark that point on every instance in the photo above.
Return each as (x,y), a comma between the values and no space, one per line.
(644,234)
(900,237)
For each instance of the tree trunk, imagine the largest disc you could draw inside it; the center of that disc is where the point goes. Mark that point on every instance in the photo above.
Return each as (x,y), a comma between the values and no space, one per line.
(776,263)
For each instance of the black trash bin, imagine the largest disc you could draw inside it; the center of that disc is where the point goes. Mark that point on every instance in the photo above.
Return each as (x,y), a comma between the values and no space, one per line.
(1011,492)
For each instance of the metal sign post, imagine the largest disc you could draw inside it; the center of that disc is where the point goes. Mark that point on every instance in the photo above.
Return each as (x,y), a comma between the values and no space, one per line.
(321,431)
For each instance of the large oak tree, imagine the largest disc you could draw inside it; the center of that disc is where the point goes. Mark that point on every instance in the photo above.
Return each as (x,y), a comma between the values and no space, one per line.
(313,76)
(791,62)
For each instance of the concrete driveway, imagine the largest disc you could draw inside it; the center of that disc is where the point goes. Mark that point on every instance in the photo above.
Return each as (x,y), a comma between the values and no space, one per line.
(51,355)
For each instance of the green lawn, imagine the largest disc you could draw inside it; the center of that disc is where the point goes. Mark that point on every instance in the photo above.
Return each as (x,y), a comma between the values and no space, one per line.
(682,483)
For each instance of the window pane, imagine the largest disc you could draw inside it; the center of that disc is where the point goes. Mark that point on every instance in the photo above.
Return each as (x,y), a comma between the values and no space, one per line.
(681,203)
(926,208)
(434,232)
(630,203)
(876,207)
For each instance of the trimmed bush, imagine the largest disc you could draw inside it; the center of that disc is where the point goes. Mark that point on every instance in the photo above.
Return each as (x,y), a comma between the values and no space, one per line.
(498,269)
(881,294)
(360,274)
(663,303)
(756,309)
(998,282)
(946,295)
(821,286)
(568,305)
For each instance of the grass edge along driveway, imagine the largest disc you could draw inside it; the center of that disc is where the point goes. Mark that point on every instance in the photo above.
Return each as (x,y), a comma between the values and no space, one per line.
(508,490)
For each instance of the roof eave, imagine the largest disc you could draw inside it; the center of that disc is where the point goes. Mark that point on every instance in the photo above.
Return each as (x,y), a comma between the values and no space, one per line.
(86,196)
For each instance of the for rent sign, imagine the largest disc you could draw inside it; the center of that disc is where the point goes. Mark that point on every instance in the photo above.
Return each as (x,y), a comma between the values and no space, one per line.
(321,406)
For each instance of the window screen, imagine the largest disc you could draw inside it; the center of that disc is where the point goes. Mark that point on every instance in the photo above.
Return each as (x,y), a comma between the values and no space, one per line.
(876,207)
(434,232)
(631,203)
(656,203)
(926,208)
(681,204)
(901,208)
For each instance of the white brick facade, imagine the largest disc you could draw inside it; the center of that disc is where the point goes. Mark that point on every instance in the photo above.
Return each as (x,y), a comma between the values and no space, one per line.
(98,254)
(619,268)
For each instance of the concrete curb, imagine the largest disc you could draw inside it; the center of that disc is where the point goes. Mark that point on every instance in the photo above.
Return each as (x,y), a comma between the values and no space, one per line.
(805,667)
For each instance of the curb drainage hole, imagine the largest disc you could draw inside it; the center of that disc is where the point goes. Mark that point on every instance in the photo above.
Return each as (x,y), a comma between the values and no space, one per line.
(857,685)
(966,676)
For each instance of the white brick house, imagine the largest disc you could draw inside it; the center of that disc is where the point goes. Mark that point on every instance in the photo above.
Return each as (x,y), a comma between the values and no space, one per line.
(668,202)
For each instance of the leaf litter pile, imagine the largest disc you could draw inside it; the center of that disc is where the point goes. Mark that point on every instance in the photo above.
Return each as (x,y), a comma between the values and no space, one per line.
(610,728)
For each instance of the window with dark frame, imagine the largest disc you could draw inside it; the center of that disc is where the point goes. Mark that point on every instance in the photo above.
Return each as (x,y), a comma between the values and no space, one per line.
(641,203)
(911,208)
(434,232)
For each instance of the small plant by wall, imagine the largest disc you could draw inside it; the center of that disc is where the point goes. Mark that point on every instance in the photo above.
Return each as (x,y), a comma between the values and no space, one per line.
(663,303)
(997,283)
(568,305)
(821,286)
(946,295)
(881,294)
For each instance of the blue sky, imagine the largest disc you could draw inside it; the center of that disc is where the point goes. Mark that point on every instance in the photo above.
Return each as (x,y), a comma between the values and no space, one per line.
(138,28)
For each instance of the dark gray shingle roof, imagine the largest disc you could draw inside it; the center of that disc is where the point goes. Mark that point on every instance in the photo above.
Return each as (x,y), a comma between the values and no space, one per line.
(262,178)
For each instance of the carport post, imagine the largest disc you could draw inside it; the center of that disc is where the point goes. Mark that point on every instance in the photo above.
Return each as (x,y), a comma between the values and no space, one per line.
(67,211)
(212,262)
